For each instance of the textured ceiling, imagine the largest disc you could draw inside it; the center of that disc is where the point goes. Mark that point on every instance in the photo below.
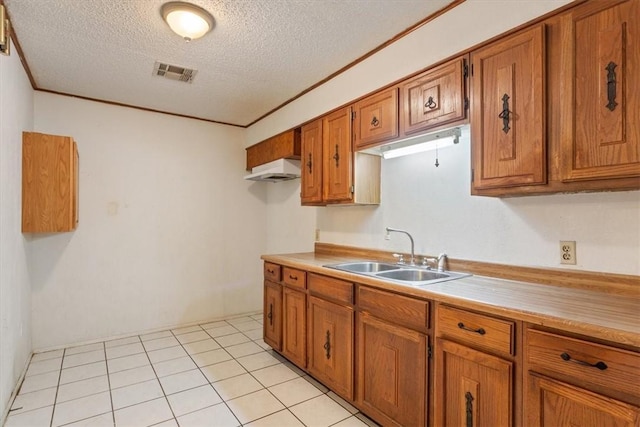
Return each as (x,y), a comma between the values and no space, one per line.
(260,54)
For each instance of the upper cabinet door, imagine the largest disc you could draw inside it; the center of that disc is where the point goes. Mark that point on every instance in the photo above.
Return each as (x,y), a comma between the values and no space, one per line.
(337,154)
(603,68)
(434,98)
(311,163)
(507,112)
(376,119)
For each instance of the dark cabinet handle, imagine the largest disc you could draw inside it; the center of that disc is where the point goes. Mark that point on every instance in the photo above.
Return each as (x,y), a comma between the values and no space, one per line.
(270,315)
(375,122)
(600,365)
(505,114)
(309,163)
(611,85)
(469,408)
(292,277)
(327,345)
(336,156)
(271,271)
(480,331)
(430,104)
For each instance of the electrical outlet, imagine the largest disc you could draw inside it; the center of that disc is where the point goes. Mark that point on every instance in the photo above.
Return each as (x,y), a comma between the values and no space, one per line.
(567,252)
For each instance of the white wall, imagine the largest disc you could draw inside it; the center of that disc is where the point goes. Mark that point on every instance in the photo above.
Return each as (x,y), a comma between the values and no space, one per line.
(16,115)
(435,204)
(169,232)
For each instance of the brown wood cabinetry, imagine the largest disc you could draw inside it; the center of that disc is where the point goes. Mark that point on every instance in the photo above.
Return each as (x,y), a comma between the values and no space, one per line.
(434,98)
(572,381)
(282,146)
(376,119)
(50,167)
(602,91)
(337,177)
(475,371)
(507,112)
(331,333)
(272,313)
(392,373)
(294,324)
(311,165)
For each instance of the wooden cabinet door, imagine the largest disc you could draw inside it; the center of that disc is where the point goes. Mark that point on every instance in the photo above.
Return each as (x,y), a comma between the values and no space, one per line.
(603,66)
(508,143)
(272,322)
(49,183)
(294,344)
(337,173)
(552,403)
(434,98)
(473,389)
(311,163)
(331,345)
(376,119)
(392,372)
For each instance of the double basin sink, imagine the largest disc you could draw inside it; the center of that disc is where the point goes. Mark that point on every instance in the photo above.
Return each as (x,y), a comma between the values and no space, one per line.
(399,273)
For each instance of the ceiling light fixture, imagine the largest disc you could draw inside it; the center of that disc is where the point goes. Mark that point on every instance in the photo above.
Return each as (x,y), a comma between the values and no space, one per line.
(187,20)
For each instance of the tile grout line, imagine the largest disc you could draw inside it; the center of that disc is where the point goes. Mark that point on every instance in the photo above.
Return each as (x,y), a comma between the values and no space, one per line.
(159,383)
(55,399)
(113,413)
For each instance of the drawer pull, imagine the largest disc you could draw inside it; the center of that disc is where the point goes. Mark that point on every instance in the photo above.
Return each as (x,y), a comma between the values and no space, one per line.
(292,277)
(600,365)
(327,345)
(480,331)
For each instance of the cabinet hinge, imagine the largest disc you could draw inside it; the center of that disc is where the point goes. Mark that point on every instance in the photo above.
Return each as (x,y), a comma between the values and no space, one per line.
(471,69)
(466,70)
(352,189)
(429,351)
(353,115)
(466,103)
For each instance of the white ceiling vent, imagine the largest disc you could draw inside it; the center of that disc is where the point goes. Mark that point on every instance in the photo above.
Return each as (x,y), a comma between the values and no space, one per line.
(174,72)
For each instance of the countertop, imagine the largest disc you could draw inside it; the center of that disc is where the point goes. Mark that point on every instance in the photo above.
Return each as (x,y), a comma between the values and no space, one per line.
(609,317)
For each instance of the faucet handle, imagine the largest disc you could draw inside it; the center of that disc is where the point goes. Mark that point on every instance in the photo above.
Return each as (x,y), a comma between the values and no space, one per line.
(400,258)
(426,260)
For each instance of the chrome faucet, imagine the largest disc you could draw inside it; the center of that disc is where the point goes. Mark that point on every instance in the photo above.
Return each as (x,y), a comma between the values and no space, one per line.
(413,255)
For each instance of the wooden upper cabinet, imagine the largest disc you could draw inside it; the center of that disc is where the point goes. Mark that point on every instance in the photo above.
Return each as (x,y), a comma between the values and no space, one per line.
(311,164)
(434,98)
(282,146)
(508,111)
(603,68)
(376,119)
(338,156)
(50,165)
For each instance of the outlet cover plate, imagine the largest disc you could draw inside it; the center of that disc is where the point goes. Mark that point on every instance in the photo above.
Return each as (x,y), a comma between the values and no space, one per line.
(568,252)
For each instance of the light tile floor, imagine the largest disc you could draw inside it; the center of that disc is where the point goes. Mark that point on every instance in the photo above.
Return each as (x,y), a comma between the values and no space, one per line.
(215,374)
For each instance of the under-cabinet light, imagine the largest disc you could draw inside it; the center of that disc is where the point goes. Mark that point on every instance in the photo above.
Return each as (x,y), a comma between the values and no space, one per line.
(5,34)
(422,143)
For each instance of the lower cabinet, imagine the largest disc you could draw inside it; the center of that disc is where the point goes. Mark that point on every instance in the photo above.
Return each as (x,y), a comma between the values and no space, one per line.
(294,326)
(475,389)
(392,372)
(331,345)
(272,313)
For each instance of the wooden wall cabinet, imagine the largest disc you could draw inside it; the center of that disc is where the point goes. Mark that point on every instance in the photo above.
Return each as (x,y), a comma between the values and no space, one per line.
(50,185)
(376,119)
(475,370)
(508,139)
(434,98)
(285,145)
(571,381)
(311,164)
(602,91)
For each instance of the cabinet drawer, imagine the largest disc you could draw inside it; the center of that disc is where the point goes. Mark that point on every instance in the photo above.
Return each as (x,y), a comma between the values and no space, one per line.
(589,363)
(295,278)
(477,330)
(331,288)
(398,309)
(272,272)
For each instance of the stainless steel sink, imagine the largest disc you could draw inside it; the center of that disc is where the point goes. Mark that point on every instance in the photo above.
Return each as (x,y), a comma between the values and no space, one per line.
(398,273)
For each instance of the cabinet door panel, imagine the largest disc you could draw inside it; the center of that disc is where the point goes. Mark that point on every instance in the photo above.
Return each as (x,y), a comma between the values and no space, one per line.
(476,389)
(507,104)
(337,155)
(605,140)
(311,163)
(272,315)
(434,98)
(331,345)
(552,403)
(392,378)
(294,323)
(376,119)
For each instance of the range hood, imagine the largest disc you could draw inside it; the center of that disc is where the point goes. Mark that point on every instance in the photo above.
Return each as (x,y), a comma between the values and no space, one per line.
(276,171)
